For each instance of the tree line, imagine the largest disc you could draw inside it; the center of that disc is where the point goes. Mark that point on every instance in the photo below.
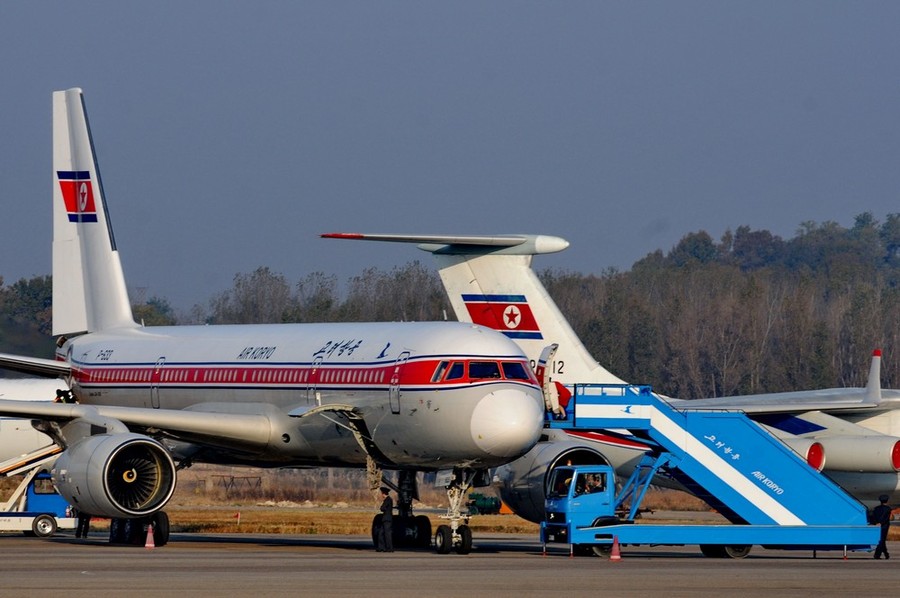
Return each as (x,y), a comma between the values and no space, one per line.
(749,313)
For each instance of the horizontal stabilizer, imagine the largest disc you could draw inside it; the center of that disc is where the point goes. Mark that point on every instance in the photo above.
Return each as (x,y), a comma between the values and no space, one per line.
(47,368)
(467,244)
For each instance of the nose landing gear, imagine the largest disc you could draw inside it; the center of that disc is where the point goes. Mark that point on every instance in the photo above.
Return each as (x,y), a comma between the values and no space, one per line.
(457,535)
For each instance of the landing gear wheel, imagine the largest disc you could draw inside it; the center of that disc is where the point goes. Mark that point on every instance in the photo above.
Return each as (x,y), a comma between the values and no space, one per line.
(443,539)
(737,552)
(43,526)
(423,531)
(135,531)
(465,540)
(117,531)
(160,528)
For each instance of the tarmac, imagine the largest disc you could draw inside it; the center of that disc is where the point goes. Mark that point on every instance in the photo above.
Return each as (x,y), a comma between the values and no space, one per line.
(499,565)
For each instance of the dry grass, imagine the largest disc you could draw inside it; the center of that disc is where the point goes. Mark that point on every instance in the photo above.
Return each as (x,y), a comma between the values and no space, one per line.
(323,502)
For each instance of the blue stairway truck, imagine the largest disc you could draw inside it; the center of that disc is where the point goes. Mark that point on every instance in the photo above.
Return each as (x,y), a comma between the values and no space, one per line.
(752,478)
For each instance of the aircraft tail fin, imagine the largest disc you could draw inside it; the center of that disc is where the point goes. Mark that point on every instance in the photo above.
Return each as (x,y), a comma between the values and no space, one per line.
(490,282)
(89,292)
(873,385)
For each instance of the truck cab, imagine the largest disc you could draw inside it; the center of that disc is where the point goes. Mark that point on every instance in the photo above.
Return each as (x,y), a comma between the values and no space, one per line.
(583,496)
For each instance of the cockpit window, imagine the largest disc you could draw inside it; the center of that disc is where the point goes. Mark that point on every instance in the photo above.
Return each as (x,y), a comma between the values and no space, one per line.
(513,370)
(456,372)
(439,372)
(484,369)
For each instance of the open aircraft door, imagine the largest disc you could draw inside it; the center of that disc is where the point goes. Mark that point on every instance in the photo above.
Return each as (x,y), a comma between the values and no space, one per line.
(395,382)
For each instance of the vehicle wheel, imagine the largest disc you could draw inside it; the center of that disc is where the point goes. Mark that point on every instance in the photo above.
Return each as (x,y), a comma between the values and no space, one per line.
(713,551)
(602,550)
(443,539)
(465,540)
(117,531)
(737,552)
(43,526)
(582,550)
(160,528)
(423,531)
(135,532)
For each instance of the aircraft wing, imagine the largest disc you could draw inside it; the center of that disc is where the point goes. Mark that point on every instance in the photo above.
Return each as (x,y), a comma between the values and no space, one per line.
(830,400)
(211,426)
(47,368)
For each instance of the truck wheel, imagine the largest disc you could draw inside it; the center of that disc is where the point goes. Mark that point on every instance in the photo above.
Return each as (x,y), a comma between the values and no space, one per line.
(737,552)
(602,550)
(713,551)
(582,550)
(43,526)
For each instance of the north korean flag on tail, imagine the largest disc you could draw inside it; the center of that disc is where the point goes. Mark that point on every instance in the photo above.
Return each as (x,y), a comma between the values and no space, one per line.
(510,314)
(78,195)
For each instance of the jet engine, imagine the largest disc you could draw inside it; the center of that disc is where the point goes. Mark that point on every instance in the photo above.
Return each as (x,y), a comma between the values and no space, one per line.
(869,454)
(115,475)
(811,450)
(523,483)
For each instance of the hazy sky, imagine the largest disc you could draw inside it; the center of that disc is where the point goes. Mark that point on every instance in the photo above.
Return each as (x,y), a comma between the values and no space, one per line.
(230,134)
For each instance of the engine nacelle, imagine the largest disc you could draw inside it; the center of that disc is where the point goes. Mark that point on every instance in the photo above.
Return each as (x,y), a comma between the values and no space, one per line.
(523,482)
(811,450)
(115,475)
(870,454)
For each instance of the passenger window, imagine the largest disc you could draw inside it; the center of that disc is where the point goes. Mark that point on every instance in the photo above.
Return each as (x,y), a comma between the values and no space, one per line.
(439,372)
(513,370)
(456,371)
(484,369)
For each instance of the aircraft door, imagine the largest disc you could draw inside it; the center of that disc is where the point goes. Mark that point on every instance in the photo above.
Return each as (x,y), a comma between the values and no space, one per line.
(155,379)
(395,382)
(311,394)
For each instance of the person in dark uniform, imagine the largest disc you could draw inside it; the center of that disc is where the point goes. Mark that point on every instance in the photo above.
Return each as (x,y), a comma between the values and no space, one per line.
(384,537)
(84,524)
(881,515)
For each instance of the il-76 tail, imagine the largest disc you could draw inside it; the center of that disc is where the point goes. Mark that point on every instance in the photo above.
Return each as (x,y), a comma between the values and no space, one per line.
(490,281)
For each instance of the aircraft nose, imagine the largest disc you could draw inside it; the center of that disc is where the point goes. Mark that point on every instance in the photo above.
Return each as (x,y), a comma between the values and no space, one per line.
(507,422)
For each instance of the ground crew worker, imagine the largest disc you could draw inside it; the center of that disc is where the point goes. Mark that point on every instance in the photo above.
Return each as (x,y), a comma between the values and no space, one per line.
(384,539)
(84,524)
(881,515)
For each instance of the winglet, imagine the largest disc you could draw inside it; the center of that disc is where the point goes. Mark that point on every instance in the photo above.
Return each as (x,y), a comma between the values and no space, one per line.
(873,386)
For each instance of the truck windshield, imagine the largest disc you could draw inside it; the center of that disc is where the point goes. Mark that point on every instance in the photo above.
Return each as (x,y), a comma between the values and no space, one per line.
(559,482)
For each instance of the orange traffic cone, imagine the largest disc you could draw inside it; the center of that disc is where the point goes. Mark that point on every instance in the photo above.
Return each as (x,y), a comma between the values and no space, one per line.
(616,554)
(150,543)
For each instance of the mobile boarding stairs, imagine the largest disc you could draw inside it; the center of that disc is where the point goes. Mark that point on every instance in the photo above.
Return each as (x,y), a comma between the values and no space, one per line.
(768,492)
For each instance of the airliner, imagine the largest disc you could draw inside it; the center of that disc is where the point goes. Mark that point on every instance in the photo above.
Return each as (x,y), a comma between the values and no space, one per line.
(851,434)
(447,397)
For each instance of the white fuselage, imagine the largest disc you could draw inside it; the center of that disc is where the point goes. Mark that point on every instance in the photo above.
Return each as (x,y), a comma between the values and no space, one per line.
(304,377)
